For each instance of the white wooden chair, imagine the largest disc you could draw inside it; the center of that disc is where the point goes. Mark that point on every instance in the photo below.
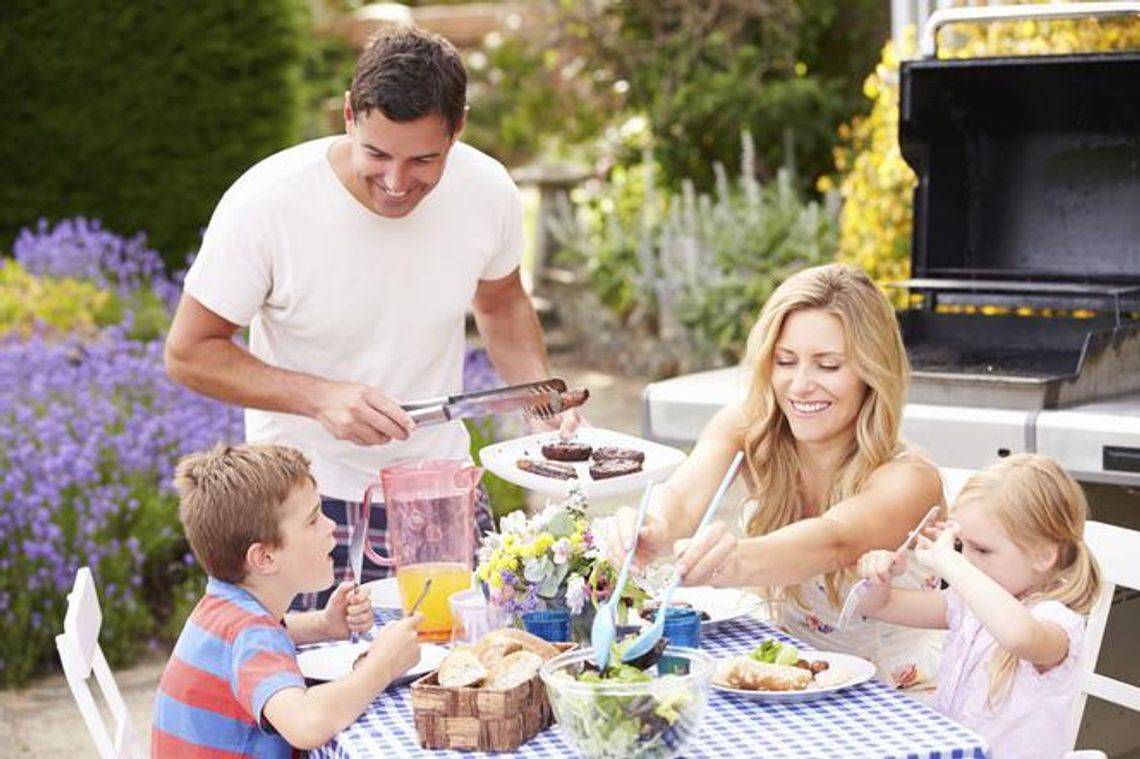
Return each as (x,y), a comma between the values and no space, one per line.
(79,651)
(1116,549)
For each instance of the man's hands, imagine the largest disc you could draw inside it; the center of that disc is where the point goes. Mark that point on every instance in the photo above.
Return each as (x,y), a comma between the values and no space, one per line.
(566,423)
(361,414)
(349,610)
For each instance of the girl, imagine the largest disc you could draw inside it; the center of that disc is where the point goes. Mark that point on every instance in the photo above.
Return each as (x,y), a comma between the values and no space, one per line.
(1019,592)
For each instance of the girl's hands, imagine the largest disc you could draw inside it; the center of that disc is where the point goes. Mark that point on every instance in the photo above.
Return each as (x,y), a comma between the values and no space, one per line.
(880,566)
(349,610)
(936,554)
(653,541)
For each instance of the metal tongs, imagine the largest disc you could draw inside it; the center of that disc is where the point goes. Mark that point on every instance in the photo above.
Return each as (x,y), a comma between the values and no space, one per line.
(543,400)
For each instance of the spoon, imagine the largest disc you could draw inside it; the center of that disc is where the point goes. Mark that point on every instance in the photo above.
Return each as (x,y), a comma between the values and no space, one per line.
(604,630)
(649,637)
(860,589)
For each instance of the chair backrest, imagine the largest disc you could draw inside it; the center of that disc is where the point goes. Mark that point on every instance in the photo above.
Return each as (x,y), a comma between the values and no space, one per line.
(81,656)
(1115,549)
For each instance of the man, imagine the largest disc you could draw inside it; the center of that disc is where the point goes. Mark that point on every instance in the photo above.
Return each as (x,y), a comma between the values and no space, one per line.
(352,260)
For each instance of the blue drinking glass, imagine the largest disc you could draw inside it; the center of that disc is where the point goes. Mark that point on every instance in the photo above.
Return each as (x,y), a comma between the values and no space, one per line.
(552,625)
(682,628)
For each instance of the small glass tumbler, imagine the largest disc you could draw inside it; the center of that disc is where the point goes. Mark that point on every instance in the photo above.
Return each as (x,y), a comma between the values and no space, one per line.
(473,616)
(682,628)
(552,625)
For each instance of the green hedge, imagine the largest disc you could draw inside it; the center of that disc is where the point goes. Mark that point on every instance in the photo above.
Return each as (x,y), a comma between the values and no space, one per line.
(141,113)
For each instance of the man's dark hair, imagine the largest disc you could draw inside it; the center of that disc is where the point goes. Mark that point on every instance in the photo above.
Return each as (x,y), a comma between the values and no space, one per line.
(408,73)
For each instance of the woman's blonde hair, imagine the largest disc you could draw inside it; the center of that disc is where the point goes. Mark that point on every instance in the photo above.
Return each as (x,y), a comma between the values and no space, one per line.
(874,347)
(1038,505)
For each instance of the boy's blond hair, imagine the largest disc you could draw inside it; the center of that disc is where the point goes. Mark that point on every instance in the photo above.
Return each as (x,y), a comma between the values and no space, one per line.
(230,499)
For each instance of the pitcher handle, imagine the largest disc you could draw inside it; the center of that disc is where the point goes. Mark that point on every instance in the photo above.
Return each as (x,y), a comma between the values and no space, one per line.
(365,514)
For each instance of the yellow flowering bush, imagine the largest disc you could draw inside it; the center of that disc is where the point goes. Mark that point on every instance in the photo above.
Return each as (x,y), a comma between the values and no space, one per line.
(62,305)
(874,181)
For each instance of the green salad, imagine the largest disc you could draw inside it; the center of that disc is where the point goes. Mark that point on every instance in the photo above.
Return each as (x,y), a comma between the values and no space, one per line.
(653,722)
(774,652)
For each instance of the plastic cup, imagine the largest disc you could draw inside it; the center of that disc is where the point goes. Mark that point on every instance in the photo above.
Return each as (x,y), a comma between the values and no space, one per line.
(473,616)
(552,625)
(682,628)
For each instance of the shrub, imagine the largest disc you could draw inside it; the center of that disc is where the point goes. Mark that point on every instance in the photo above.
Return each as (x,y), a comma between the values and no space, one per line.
(141,113)
(876,183)
(29,303)
(697,266)
(90,432)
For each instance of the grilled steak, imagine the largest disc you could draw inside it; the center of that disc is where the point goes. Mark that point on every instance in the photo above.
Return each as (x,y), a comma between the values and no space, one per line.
(603,470)
(548,469)
(612,452)
(566,451)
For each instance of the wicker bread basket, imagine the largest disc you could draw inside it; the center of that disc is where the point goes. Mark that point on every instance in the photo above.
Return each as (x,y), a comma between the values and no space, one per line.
(479,719)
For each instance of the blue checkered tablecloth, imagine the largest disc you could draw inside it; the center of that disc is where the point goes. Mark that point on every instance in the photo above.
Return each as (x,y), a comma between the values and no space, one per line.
(868,720)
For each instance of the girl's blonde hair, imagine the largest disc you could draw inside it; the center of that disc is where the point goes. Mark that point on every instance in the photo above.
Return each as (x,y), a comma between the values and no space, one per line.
(873,345)
(1037,504)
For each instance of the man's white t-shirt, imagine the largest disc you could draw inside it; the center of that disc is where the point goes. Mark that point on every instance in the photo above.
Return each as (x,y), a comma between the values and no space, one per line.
(329,288)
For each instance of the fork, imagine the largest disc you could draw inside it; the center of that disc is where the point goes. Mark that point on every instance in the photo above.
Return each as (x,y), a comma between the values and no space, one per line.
(648,638)
(863,586)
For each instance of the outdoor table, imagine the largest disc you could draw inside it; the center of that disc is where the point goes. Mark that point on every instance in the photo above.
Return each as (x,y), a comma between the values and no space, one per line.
(868,720)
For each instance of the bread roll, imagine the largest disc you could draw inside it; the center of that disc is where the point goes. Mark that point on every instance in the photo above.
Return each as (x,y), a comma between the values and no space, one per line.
(461,669)
(513,669)
(745,673)
(494,646)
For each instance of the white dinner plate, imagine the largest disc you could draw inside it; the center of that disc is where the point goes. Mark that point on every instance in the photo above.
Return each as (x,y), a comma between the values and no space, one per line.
(335,661)
(859,670)
(502,459)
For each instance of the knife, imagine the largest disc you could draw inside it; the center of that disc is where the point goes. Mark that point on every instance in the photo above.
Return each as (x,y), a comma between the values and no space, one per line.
(543,399)
(356,554)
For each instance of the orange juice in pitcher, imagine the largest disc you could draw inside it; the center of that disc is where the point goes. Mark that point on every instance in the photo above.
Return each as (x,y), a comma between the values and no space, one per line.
(430,507)
(447,578)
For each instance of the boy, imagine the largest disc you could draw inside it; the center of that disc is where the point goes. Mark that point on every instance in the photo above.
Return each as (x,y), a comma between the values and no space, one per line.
(232,687)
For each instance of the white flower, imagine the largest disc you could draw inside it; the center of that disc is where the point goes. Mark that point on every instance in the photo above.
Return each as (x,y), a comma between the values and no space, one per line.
(575,592)
(514,522)
(561,550)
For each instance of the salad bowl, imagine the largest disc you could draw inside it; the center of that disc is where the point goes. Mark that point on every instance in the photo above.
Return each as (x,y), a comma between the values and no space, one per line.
(627,715)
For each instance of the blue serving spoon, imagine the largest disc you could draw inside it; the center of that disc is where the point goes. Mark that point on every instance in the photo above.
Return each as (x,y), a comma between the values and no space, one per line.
(648,638)
(604,630)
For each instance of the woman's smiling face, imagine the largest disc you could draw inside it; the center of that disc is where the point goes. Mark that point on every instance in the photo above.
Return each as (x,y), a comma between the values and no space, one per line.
(814,379)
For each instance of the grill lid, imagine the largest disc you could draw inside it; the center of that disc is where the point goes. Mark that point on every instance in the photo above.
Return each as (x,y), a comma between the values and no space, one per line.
(1028,179)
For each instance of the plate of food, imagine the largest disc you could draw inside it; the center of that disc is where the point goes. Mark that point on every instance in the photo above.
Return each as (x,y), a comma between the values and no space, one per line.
(716,605)
(334,661)
(778,672)
(601,462)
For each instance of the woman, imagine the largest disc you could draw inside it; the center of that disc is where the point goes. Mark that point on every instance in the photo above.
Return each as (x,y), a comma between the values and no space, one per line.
(828,476)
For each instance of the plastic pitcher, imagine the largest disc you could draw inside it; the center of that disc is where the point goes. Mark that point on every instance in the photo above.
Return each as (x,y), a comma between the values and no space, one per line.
(431,534)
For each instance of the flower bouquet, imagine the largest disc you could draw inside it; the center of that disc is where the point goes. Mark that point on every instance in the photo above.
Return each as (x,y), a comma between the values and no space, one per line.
(550,560)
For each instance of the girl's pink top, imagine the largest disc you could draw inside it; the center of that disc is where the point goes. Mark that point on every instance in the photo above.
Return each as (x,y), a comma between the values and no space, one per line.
(1033,721)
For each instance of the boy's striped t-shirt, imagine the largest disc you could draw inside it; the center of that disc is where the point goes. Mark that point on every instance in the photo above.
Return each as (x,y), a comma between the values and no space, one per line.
(230,658)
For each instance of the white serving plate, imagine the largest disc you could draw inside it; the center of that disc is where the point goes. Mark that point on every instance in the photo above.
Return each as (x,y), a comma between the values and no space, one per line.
(860,671)
(721,604)
(335,661)
(502,458)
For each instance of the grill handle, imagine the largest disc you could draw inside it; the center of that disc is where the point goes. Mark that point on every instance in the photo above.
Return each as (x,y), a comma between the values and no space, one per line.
(929,45)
